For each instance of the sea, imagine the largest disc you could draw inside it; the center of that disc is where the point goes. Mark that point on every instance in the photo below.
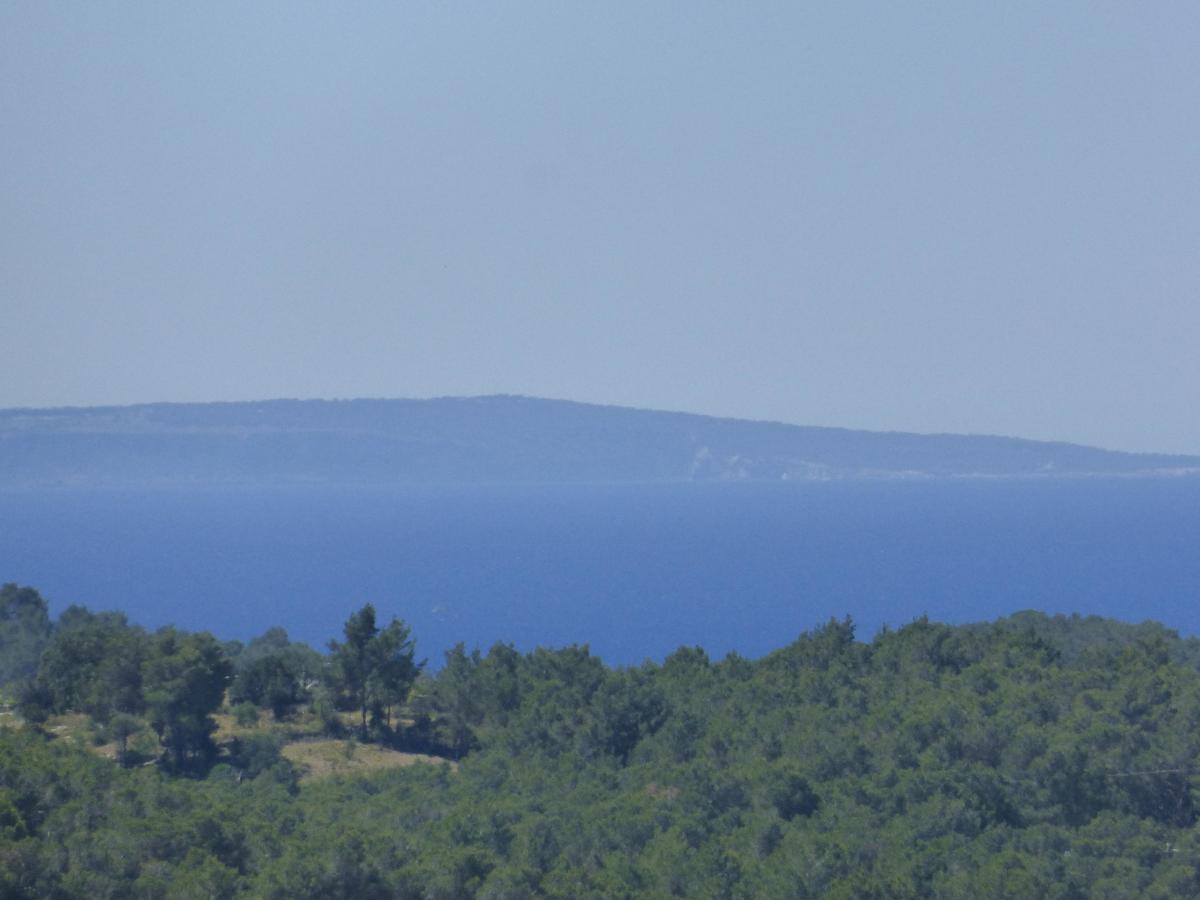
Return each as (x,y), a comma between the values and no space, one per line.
(634,571)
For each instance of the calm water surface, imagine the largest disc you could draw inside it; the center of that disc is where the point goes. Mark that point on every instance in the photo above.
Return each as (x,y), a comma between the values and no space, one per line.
(634,570)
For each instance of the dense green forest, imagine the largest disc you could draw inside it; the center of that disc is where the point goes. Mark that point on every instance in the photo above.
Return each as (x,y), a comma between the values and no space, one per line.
(1035,756)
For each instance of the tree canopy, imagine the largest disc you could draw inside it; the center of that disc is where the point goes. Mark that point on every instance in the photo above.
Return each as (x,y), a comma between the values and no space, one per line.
(24,630)
(1034,757)
(377,667)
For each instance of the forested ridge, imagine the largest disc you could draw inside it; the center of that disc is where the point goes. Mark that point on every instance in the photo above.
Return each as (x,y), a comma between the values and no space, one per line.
(498,439)
(1035,756)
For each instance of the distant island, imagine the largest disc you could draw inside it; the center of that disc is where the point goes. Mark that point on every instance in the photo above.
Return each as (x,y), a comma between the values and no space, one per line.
(498,439)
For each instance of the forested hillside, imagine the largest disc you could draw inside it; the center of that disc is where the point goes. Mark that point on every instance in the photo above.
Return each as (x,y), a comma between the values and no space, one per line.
(495,439)
(1029,757)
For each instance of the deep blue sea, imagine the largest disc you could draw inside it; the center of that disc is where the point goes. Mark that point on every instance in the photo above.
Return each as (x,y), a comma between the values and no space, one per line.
(633,570)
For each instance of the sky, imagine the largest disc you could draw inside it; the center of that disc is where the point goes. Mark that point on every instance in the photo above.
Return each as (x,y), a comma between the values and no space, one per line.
(934,217)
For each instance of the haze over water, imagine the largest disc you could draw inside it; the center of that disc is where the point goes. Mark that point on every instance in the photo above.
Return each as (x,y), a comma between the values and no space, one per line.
(633,570)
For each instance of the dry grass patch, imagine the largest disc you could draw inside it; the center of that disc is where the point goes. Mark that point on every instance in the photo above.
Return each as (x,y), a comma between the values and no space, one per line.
(323,759)
(294,728)
(70,726)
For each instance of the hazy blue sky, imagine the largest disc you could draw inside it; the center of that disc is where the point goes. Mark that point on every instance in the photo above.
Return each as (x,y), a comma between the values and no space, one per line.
(930,217)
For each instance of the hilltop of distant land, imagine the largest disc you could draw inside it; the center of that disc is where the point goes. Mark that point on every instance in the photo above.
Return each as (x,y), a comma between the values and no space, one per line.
(496,439)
